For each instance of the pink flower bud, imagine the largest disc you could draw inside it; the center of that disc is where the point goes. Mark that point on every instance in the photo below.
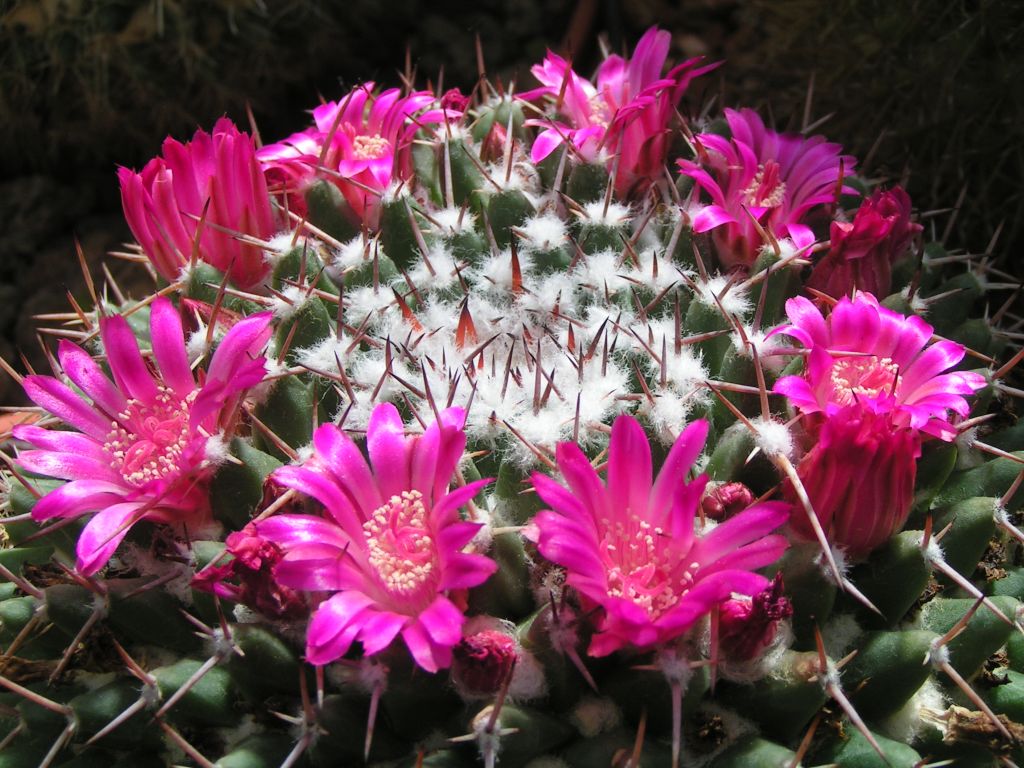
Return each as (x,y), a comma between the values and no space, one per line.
(725,500)
(859,477)
(863,251)
(746,626)
(482,662)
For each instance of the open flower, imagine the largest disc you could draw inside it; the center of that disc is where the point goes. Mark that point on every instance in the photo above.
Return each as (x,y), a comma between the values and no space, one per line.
(878,359)
(360,144)
(631,549)
(140,452)
(862,251)
(391,544)
(164,204)
(775,178)
(626,113)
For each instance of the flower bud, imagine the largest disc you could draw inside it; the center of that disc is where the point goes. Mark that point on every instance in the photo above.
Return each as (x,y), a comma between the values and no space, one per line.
(862,252)
(725,500)
(747,625)
(482,662)
(859,477)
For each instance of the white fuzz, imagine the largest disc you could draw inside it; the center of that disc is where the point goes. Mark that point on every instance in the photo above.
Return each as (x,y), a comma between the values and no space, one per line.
(448,220)
(542,233)
(616,215)
(245,615)
(766,348)
(364,302)
(712,293)
(840,634)
(669,414)
(282,243)
(528,681)
(324,355)
(735,728)
(909,723)
(291,300)
(932,554)
(196,346)
(496,271)
(773,437)
(146,563)
(605,272)
(440,274)
(593,716)
(217,449)
(349,256)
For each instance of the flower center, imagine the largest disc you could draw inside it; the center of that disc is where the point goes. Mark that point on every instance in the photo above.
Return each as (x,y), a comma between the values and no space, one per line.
(401,548)
(640,568)
(601,112)
(766,190)
(147,440)
(370,147)
(867,376)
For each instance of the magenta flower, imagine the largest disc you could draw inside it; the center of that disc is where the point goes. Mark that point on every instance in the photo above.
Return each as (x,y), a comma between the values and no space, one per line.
(778,178)
(367,135)
(864,354)
(164,203)
(391,543)
(859,476)
(140,451)
(626,113)
(630,546)
(863,251)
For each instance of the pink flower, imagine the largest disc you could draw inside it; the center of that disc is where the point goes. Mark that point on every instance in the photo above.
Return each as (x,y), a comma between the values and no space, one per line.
(746,626)
(863,251)
(627,113)
(777,178)
(859,476)
(866,355)
(140,449)
(391,544)
(164,203)
(368,136)
(631,549)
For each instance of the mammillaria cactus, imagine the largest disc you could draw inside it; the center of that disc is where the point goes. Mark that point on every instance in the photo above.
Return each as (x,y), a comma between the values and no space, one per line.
(472,430)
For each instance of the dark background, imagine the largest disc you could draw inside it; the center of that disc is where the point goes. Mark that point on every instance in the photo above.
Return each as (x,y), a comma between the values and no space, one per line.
(929,92)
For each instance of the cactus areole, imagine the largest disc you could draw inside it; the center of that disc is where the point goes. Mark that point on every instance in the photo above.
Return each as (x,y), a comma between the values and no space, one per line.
(546,426)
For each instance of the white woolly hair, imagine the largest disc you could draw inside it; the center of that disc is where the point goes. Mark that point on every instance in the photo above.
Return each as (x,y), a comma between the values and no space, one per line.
(543,232)
(773,437)
(291,299)
(735,728)
(594,715)
(840,634)
(735,301)
(909,723)
(448,219)
(616,214)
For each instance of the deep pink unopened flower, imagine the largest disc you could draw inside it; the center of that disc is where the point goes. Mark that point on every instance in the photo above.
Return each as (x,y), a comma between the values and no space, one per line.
(726,500)
(866,355)
(391,545)
(367,137)
(776,178)
(141,449)
(747,625)
(163,205)
(863,251)
(859,476)
(248,578)
(482,662)
(630,546)
(627,113)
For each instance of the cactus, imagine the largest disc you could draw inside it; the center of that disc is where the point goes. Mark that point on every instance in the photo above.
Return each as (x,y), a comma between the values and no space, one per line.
(526,430)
